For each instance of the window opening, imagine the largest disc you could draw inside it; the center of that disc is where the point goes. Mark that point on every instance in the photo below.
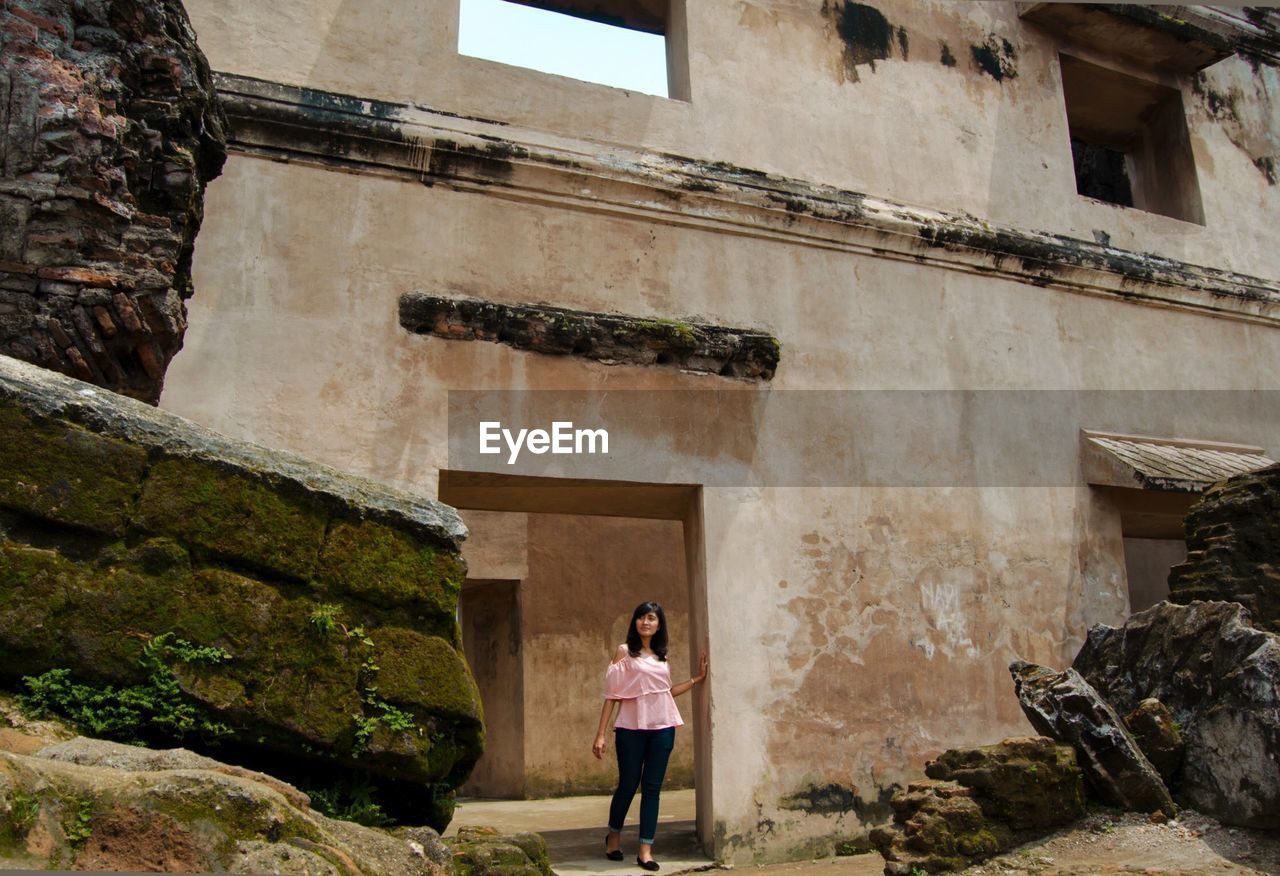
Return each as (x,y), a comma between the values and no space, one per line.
(624,45)
(1129,141)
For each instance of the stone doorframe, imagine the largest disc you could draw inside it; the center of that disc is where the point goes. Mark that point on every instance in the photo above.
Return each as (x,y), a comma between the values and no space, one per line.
(482,491)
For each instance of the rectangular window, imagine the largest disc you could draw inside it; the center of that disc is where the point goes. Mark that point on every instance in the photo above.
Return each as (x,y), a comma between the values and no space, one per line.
(1129,141)
(621,43)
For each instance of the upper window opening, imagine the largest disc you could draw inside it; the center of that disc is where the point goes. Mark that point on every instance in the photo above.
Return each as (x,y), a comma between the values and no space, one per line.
(1129,141)
(621,43)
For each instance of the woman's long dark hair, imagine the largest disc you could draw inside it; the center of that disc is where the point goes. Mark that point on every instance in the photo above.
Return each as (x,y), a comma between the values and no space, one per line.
(658,644)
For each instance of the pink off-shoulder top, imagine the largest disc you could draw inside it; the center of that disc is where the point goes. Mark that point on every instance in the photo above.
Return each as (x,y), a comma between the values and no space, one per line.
(642,687)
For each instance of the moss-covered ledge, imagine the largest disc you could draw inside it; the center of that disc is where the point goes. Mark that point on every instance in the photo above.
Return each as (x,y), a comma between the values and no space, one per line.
(606,337)
(306,616)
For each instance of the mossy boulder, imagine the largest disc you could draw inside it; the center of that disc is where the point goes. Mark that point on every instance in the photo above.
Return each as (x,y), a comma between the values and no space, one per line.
(375,562)
(86,804)
(483,851)
(938,827)
(234,515)
(170,572)
(60,473)
(979,802)
(1029,783)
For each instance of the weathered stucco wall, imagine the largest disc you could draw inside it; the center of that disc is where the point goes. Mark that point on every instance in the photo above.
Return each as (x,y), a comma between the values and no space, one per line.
(539,647)
(586,574)
(774,89)
(856,626)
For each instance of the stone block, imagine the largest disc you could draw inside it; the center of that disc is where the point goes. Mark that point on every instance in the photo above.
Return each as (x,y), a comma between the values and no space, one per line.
(483,851)
(234,515)
(13,227)
(217,557)
(60,472)
(1233,547)
(425,671)
(377,562)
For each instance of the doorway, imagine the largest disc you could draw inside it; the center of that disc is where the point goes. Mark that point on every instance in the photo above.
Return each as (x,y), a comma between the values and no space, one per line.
(556,567)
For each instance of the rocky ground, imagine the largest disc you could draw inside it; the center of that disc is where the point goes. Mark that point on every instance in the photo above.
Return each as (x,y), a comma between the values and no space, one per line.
(1191,845)
(1129,843)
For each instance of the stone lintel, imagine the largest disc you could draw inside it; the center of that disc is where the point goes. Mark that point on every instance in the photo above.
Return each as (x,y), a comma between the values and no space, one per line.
(606,337)
(470,154)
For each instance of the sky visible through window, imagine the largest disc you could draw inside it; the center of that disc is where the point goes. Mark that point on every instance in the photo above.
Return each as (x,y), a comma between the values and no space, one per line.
(557,43)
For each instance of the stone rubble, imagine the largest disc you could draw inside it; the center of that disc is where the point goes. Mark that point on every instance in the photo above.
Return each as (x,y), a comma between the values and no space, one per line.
(1063,706)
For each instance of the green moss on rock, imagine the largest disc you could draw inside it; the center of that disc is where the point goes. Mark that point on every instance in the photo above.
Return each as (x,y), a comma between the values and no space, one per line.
(388,568)
(234,516)
(425,672)
(482,851)
(60,472)
(1029,783)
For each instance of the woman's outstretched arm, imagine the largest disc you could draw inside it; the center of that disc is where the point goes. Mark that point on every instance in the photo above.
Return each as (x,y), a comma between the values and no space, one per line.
(606,713)
(677,689)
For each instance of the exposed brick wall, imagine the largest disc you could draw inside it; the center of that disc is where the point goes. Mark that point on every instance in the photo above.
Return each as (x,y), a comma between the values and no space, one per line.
(109,131)
(1233,547)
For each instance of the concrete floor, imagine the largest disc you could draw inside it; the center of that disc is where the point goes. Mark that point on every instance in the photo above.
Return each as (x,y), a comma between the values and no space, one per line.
(574,828)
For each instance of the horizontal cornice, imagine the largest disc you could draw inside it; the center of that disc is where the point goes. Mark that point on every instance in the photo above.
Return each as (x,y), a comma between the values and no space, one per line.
(404,141)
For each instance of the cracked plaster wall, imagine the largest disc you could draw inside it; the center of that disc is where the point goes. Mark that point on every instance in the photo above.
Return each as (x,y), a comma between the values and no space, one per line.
(966,141)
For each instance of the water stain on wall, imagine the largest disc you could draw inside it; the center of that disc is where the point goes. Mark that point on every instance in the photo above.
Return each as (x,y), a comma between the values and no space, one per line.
(865,34)
(995,56)
(1221,94)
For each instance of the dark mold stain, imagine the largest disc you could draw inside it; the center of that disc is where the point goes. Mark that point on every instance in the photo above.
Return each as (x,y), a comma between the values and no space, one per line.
(867,35)
(995,58)
(1220,105)
(493,160)
(948,59)
(903,43)
(1266,164)
(829,799)
(877,810)
(696,184)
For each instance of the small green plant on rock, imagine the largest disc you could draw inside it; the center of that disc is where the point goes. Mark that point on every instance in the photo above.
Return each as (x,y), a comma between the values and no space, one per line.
(17,822)
(324,618)
(131,713)
(350,799)
(78,825)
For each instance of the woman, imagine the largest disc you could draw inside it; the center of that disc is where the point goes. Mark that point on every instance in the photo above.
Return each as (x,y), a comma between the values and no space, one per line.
(638,681)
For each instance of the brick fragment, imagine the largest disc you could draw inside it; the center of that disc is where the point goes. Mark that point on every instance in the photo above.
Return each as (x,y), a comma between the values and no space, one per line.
(80,366)
(45,24)
(59,334)
(88,276)
(129,316)
(104,321)
(151,363)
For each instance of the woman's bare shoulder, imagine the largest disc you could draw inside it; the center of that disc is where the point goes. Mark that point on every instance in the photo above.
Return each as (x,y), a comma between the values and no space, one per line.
(623,651)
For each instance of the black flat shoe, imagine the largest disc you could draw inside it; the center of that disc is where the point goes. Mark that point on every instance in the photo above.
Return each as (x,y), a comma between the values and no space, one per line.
(649,865)
(615,855)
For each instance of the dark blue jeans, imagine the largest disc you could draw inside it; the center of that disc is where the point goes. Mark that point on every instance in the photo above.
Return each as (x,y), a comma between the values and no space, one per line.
(642,762)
